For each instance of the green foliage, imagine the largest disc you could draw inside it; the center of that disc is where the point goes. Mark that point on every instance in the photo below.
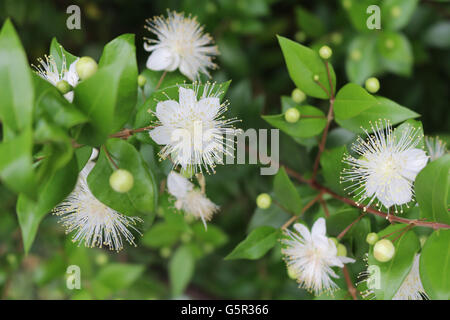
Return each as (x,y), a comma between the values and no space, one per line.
(286,193)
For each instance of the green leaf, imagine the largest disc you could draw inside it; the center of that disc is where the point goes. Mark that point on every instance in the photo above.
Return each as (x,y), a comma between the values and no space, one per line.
(153,77)
(395,14)
(181,270)
(393,272)
(17,93)
(434,265)
(118,276)
(303,128)
(406,126)
(309,23)
(385,109)
(303,63)
(331,163)
(357,12)
(109,96)
(51,104)
(395,53)
(57,51)
(257,243)
(141,199)
(16,165)
(286,193)
(51,193)
(351,100)
(162,234)
(361,62)
(214,235)
(431,189)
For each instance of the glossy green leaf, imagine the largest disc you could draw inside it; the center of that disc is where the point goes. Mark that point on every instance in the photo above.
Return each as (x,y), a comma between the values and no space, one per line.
(141,199)
(395,52)
(286,193)
(362,61)
(395,14)
(303,63)
(351,100)
(434,265)
(256,245)
(213,235)
(162,234)
(309,23)
(181,270)
(357,12)
(331,163)
(303,128)
(431,189)
(118,276)
(57,51)
(17,93)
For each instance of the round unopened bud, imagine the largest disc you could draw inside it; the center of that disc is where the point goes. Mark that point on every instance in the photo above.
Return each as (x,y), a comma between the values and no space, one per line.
(372,238)
(372,85)
(316,77)
(208,248)
(389,43)
(298,95)
(347,4)
(336,38)
(165,252)
(334,240)
(141,80)
(64,87)
(101,259)
(121,181)
(355,55)
(186,237)
(300,36)
(291,273)
(292,115)
(86,67)
(384,250)
(263,201)
(422,240)
(341,250)
(396,11)
(325,52)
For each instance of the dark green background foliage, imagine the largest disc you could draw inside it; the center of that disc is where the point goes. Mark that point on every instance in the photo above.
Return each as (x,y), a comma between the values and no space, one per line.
(245,31)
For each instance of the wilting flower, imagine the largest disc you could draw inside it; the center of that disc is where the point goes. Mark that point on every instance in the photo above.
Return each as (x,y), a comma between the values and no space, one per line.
(94,224)
(48,70)
(310,256)
(411,288)
(180,44)
(387,166)
(436,148)
(189,199)
(192,131)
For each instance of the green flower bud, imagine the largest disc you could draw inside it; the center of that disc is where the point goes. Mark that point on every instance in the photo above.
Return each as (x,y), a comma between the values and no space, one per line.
(101,259)
(121,181)
(396,11)
(208,248)
(384,250)
(372,85)
(165,252)
(325,52)
(86,67)
(141,80)
(292,115)
(336,38)
(389,43)
(422,240)
(298,95)
(186,237)
(336,241)
(263,201)
(355,55)
(64,87)
(341,250)
(347,4)
(300,36)
(372,238)
(316,77)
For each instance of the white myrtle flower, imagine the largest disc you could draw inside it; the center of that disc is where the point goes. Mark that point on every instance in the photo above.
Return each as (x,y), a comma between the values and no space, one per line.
(310,257)
(94,224)
(436,147)
(387,166)
(194,133)
(411,288)
(189,199)
(180,44)
(49,71)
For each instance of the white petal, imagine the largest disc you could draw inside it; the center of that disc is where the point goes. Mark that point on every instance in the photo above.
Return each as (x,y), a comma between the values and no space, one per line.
(188,70)
(71,76)
(178,185)
(166,111)
(69,96)
(319,227)
(346,259)
(161,134)
(400,190)
(304,232)
(414,161)
(208,107)
(160,59)
(187,97)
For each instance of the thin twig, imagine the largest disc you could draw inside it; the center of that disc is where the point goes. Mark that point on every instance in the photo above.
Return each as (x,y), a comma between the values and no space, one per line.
(109,157)
(306,207)
(342,234)
(160,80)
(351,288)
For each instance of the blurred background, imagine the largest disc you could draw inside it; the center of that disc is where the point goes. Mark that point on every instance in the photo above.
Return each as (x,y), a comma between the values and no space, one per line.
(245,31)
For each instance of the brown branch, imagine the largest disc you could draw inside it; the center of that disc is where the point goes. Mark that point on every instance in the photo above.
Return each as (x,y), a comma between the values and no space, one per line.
(109,157)
(306,207)
(342,234)
(160,80)
(391,217)
(350,286)
(126,133)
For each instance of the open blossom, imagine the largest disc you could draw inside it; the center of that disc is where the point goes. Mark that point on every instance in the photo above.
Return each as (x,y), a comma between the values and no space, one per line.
(194,132)
(436,148)
(387,166)
(94,224)
(180,44)
(189,199)
(411,288)
(310,257)
(48,70)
